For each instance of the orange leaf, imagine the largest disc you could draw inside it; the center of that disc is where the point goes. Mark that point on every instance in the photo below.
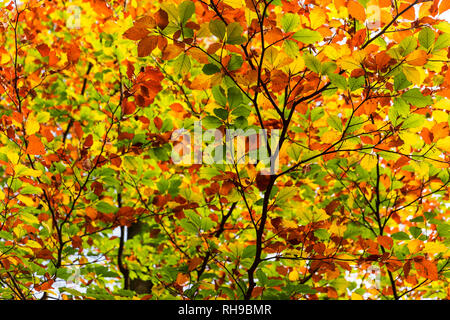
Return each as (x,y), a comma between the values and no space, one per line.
(410,14)
(359,38)
(417,58)
(73,53)
(193,263)
(145,22)
(43,49)
(147,45)
(136,33)
(385,241)
(182,278)
(91,213)
(382,59)
(444,6)
(35,146)
(356,10)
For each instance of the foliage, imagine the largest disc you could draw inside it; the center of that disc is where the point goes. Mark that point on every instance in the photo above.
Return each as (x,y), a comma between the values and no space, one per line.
(91,91)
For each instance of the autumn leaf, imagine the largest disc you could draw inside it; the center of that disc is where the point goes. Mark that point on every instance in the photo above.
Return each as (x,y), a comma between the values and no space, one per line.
(35,146)
(147,45)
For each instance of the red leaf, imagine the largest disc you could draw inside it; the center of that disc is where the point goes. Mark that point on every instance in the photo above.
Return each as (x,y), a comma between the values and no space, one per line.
(89,141)
(158,122)
(147,45)
(43,49)
(44,254)
(128,107)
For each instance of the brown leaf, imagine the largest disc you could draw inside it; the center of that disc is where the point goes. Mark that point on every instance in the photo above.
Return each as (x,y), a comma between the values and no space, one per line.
(147,45)
(136,33)
(194,262)
(162,19)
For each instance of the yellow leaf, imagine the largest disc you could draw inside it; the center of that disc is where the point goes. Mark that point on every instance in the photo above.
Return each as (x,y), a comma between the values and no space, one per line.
(414,245)
(369,162)
(414,74)
(32,125)
(27,200)
(410,138)
(338,230)
(440,116)
(444,144)
(356,296)
(348,63)
(293,275)
(22,170)
(296,66)
(33,244)
(443,104)
(4,58)
(235,3)
(330,136)
(318,17)
(434,247)
(2,194)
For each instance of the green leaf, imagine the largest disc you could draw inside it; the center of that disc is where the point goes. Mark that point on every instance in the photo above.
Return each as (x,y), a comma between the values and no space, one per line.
(182,64)
(335,122)
(162,186)
(185,11)
(105,207)
(211,122)
(338,80)
(417,219)
(290,21)
(356,83)
(31,190)
(413,121)
(219,95)
(217,28)
(234,97)
(400,236)
(316,114)
(294,151)
(409,44)
(241,111)
(426,37)
(234,33)
(221,113)
(442,42)
(249,252)
(322,234)
(401,107)
(328,67)
(235,62)
(291,48)
(312,63)
(416,98)
(305,289)
(416,232)
(210,69)
(307,36)
(400,82)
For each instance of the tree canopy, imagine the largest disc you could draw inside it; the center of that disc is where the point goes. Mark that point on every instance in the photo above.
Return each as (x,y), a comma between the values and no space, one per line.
(96,204)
